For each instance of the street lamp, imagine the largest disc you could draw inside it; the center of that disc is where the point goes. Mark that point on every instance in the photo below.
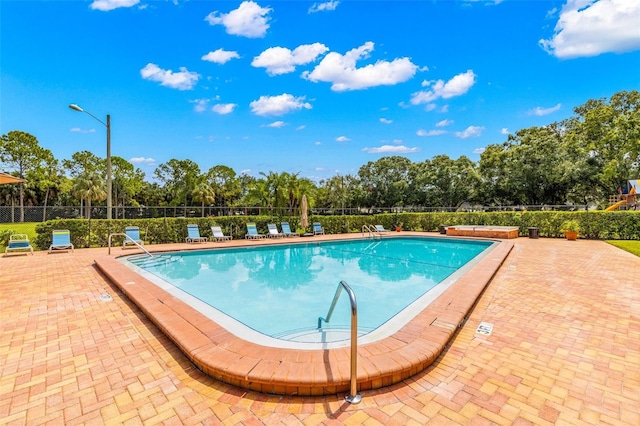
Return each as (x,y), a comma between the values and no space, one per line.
(108,126)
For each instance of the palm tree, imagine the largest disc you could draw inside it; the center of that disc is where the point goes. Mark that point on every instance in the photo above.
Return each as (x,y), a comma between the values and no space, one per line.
(204,193)
(89,186)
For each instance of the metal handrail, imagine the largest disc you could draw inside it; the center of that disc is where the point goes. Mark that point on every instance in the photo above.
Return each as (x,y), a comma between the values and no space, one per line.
(353,397)
(371,230)
(129,238)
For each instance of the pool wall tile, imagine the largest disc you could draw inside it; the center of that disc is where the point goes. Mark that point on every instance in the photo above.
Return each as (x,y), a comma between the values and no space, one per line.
(232,360)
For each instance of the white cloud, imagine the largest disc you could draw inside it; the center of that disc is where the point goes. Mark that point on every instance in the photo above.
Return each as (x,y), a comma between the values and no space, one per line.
(386,121)
(280,60)
(221,56)
(323,7)
(422,132)
(342,73)
(200,104)
(301,127)
(278,105)
(590,28)
(142,160)
(276,124)
(182,80)
(391,149)
(223,109)
(458,85)
(79,130)
(479,150)
(444,123)
(539,111)
(107,5)
(248,20)
(504,131)
(470,132)
(342,139)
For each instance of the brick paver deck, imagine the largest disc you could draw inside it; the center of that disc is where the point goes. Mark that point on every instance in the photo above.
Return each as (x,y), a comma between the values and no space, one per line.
(565,349)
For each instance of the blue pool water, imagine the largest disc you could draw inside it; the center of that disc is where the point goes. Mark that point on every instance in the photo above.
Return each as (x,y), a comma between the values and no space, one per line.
(281,290)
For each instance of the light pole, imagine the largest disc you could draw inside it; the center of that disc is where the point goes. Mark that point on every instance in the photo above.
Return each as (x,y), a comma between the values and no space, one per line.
(108,126)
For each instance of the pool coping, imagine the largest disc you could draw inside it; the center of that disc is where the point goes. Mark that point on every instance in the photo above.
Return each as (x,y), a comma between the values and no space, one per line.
(230,359)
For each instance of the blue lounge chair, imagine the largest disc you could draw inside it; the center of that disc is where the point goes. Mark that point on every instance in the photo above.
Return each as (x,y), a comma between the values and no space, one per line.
(193,235)
(286,230)
(133,234)
(217,234)
(273,231)
(18,242)
(61,240)
(317,229)
(252,232)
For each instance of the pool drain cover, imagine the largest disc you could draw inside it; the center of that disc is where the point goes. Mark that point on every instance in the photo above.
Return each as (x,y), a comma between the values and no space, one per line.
(485,328)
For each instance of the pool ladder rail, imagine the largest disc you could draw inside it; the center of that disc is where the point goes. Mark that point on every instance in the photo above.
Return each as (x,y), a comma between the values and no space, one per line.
(353,397)
(371,231)
(130,239)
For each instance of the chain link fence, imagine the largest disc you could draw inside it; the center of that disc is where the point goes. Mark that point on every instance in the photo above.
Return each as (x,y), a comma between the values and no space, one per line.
(12,214)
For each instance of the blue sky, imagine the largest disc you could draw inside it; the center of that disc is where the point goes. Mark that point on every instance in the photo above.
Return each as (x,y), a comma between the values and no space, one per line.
(314,88)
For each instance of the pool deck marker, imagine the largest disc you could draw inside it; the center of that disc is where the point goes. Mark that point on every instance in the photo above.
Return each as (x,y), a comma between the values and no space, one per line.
(485,328)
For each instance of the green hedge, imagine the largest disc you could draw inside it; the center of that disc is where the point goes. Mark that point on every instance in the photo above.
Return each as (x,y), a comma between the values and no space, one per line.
(617,225)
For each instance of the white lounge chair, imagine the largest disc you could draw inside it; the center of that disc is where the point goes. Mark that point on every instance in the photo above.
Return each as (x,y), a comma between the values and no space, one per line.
(217,234)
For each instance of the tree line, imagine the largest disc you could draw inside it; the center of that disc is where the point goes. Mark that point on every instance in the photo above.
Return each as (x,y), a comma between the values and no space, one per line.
(581,159)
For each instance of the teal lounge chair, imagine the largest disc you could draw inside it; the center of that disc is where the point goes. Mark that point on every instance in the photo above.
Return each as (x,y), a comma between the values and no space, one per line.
(286,230)
(61,240)
(252,232)
(133,234)
(217,234)
(18,242)
(273,231)
(193,235)
(317,229)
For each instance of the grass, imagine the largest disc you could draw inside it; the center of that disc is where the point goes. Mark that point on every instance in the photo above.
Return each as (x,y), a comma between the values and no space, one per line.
(28,228)
(632,246)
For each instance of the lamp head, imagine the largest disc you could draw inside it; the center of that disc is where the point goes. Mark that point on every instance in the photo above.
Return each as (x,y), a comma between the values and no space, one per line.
(76,108)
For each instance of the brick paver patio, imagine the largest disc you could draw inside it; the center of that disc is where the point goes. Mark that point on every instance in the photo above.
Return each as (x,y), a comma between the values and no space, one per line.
(565,349)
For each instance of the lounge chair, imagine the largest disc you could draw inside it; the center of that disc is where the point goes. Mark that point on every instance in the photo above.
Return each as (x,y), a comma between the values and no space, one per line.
(317,229)
(61,240)
(217,234)
(193,235)
(286,230)
(273,231)
(18,242)
(133,234)
(252,232)
(380,229)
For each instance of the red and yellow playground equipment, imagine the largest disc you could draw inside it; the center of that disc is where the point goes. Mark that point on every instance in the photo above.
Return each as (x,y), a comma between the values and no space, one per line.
(627,199)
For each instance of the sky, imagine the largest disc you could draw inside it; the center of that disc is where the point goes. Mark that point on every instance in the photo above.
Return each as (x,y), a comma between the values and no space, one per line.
(317,89)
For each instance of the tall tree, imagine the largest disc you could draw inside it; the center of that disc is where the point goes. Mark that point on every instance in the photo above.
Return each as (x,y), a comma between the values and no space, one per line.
(225,185)
(89,187)
(530,168)
(203,193)
(21,152)
(611,131)
(180,178)
(386,181)
(47,176)
(127,181)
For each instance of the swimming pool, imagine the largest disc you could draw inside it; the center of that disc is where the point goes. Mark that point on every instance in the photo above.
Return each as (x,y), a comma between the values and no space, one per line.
(324,370)
(265,294)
